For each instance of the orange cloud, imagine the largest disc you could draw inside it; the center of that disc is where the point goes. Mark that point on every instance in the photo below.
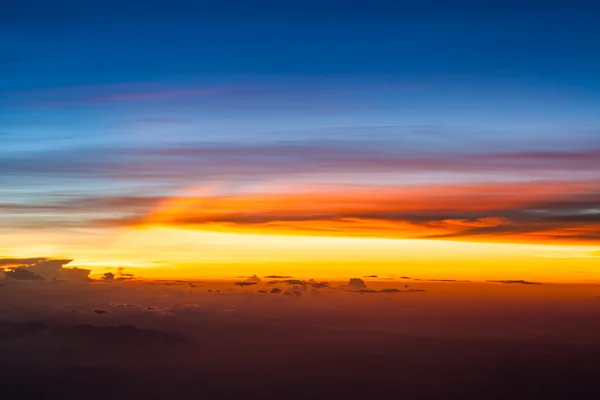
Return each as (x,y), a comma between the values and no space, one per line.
(523,212)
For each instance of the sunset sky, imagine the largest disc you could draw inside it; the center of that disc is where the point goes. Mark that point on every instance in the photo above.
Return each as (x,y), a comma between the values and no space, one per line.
(316,139)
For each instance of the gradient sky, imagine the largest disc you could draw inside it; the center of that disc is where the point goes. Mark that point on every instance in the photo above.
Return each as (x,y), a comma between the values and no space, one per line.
(330,138)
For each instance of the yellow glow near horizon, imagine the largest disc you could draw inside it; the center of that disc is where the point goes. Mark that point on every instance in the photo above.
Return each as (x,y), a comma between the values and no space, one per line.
(169,252)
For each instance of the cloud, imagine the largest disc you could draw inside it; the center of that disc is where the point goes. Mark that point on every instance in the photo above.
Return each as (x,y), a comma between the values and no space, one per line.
(278,277)
(276,290)
(119,276)
(20,261)
(43,269)
(22,274)
(356,284)
(245,283)
(53,212)
(387,290)
(48,269)
(185,161)
(477,212)
(288,282)
(123,276)
(108,276)
(110,94)
(295,282)
(370,276)
(300,283)
(517,282)
(254,279)
(318,285)
(54,269)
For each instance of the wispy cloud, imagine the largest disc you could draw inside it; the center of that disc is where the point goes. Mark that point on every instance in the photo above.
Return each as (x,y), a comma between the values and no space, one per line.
(197,161)
(111,93)
(188,94)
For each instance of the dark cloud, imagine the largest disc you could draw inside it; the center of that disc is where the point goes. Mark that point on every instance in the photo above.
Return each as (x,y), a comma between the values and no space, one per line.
(276,290)
(301,283)
(295,282)
(44,268)
(289,282)
(245,283)
(125,276)
(254,279)
(49,269)
(278,277)
(370,276)
(119,276)
(356,284)
(387,290)
(518,282)
(108,276)
(22,274)
(101,311)
(74,274)
(122,305)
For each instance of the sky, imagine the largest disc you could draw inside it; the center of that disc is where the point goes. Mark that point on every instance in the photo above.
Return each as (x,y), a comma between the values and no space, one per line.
(446,139)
